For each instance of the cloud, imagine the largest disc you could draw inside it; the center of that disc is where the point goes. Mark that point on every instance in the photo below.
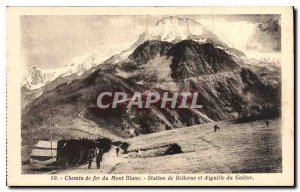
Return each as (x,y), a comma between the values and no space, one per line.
(235,33)
(246,34)
(267,37)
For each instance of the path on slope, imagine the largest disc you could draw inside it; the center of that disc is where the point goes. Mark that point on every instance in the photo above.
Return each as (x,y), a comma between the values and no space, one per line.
(236,148)
(108,164)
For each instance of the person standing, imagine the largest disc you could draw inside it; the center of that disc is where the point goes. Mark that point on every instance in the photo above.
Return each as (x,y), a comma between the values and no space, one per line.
(216,127)
(267,123)
(117,151)
(90,157)
(99,155)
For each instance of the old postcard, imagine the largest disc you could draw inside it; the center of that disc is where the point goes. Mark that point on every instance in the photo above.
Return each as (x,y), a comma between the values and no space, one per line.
(150,96)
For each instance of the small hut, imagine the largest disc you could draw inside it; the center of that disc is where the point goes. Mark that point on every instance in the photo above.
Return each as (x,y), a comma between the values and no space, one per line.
(44,153)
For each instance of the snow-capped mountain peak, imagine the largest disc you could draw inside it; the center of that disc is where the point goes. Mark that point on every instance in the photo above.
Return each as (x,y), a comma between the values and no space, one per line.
(174,29)
(82,63)
(35,77)
(170,29)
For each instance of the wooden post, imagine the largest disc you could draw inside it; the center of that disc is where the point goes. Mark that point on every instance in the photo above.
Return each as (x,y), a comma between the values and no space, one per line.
(51,140)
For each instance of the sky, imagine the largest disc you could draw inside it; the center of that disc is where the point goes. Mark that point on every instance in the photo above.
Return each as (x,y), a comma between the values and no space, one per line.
(50,42)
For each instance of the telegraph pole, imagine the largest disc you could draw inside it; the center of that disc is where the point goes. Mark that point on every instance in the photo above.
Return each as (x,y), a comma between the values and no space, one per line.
(51,139)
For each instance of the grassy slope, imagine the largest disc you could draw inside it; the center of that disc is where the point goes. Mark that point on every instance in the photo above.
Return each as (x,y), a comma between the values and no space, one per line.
(236,148)
(65,126)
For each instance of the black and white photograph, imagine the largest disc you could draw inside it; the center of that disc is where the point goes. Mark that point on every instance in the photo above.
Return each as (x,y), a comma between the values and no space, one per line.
(164,93)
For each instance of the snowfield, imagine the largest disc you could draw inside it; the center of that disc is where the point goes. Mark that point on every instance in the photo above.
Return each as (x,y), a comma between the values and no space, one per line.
(35,78)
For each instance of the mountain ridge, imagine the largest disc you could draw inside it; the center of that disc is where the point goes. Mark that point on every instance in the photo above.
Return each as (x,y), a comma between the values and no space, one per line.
(228,90)
(35,77)
(171,29)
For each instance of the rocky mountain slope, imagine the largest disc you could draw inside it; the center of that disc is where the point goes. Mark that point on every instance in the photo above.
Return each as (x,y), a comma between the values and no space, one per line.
(161,60)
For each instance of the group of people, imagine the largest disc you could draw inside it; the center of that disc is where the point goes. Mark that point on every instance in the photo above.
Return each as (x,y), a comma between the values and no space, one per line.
(76,152)
(98,153)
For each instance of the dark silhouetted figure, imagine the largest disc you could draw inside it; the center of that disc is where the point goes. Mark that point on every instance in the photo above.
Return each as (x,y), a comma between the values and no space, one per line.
(98,157)
(117,151)
(267,123)
(90,157)
(216,127)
